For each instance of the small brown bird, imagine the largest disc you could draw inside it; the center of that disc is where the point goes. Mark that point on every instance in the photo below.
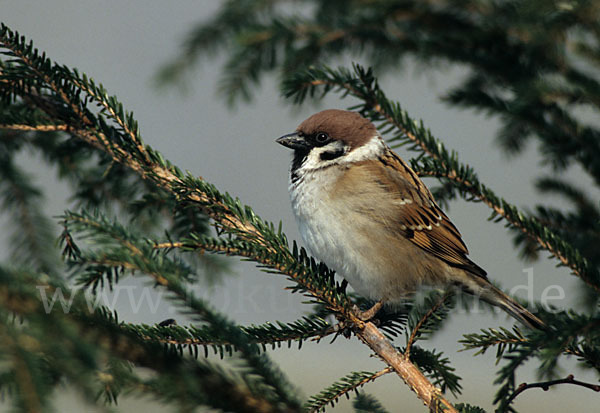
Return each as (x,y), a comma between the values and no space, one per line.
(366,214)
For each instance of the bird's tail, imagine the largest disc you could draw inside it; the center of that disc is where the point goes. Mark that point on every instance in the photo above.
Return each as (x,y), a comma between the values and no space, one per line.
(492,295)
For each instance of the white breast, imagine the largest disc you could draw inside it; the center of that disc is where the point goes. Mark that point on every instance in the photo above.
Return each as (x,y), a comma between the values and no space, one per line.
(338,239)
(323,227)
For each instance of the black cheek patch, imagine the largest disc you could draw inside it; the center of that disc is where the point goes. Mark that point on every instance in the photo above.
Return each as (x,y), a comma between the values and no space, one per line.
(328,156)
(299,159)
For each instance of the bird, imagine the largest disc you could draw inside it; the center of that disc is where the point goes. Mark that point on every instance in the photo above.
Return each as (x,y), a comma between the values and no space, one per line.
(366,214)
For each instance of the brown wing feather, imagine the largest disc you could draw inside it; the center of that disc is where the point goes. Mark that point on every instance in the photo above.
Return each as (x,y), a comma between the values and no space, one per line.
(420,218)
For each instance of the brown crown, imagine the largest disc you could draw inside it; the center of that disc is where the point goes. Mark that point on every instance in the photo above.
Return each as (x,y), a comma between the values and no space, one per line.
(343,125)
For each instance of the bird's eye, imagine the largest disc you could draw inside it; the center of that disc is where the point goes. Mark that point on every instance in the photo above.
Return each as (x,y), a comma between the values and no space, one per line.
(321,137)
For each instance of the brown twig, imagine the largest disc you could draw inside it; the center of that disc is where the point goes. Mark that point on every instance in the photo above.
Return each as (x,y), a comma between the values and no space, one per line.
(412,376)
(168,244)
(35,128)
(545,385)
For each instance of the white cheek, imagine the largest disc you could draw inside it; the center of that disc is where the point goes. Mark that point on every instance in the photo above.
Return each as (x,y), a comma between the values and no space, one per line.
(370,150)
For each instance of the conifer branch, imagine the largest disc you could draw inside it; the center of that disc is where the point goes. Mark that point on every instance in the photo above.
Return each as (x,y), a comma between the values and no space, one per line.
(172,275)
(115,110)
(400,362)
(501,337)
(342,387)
(33,231)
(366,403)
(441,302)
(229,215)
(571,333)
(23,367)
(272,334)
(437,368)
(79,328)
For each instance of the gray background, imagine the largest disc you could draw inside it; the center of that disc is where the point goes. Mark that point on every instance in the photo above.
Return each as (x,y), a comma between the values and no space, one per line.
(122,44)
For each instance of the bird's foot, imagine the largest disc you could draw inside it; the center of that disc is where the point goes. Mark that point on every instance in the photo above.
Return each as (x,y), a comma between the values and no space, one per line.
(369,314)
(345,327)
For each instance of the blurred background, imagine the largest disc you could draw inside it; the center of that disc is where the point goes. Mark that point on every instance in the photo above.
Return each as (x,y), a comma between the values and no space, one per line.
(123,45)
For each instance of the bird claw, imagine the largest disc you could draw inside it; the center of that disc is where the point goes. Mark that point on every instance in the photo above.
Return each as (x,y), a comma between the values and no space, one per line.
(345,327)
(369,314)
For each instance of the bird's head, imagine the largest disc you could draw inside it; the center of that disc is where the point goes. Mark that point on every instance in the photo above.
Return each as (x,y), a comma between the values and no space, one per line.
(332,137)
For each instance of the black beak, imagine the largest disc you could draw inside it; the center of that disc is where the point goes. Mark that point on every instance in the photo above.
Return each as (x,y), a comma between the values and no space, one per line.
(293,141)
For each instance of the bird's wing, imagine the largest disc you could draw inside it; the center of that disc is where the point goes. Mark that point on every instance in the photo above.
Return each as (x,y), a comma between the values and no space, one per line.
(416,216)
